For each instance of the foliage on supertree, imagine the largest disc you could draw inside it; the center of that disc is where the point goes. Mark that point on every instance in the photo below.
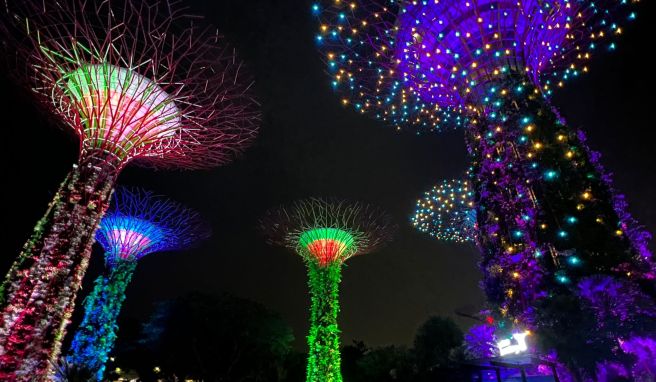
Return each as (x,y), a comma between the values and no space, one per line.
(546,212)
(137,223)
(135,81)
(325,233)
(480,341)
(447,212)
(644,350)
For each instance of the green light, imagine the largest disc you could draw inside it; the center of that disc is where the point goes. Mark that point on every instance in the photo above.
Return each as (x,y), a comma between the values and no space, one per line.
(326,245)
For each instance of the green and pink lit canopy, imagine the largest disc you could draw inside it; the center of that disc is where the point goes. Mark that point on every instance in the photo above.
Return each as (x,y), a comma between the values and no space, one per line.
(327,231)
(421,62)
(134,80)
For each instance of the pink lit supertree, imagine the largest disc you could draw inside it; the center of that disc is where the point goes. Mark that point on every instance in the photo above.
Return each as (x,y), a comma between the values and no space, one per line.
(136,81)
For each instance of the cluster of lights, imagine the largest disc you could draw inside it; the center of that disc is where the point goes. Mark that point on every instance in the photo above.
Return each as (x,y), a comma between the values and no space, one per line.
(447,212)
(420,63)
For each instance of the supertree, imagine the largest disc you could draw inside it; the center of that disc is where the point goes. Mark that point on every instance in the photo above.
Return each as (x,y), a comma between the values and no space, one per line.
(137,223)
(447,212)
(546,212)
(135,81)
(325,233)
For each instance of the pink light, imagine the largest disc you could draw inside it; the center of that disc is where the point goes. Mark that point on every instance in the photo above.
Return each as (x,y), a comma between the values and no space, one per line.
(128,243)
(123,107)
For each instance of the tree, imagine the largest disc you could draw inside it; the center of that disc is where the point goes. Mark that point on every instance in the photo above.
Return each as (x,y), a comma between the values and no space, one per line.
(435,340)
(217,338)
(389,363)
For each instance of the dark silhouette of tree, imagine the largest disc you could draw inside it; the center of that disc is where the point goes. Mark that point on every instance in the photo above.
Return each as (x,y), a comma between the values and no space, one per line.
(217,338)
(351,355)
(436,341)
(389,363)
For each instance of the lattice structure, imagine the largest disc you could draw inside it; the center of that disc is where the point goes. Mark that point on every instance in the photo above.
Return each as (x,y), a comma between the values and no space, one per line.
(137,223)
(546,212)
(447,212)
(137,81)
(326,233)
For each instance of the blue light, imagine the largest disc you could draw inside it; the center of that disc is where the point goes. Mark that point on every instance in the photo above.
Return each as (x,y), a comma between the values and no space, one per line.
(572,220)
(562,234)
(550,175)
(315,8)
(573,260)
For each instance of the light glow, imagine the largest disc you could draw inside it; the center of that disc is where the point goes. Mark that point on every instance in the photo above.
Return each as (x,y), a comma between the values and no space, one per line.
(514,345)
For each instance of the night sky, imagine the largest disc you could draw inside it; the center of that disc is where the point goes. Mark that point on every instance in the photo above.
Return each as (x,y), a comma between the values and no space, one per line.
(309,145)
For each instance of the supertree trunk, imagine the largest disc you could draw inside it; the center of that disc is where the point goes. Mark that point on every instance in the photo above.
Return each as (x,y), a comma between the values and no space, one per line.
(323,340)
(40,289)
(546,212)
(95,337)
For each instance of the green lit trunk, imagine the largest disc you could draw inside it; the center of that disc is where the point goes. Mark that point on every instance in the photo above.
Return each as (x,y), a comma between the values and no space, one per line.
(39,291)
(323,340)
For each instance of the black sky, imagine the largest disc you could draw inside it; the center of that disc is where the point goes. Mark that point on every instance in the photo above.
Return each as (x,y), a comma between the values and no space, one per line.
(311,146)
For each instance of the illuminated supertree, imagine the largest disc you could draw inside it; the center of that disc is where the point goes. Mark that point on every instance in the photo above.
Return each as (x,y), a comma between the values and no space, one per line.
(136,81)
(546,212)
(137,223)
(325,233)
(446,212)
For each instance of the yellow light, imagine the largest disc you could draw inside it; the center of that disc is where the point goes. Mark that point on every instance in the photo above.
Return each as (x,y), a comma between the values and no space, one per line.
(618,232)
(537,145)
(569,154)
(586,195)
(515,275)
(529,128)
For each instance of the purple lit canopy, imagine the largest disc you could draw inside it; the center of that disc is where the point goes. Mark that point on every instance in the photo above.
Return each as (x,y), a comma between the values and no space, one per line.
(418,62)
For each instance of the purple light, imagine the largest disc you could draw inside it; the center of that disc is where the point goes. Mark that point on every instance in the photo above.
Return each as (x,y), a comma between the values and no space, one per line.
(446,49)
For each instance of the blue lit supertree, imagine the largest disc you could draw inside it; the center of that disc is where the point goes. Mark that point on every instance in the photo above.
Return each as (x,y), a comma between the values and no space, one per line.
(138,223)
(546,212)
(447,212)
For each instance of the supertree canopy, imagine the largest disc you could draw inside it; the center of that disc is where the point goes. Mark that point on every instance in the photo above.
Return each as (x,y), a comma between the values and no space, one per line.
(447,212)
(546,212)
(325,233)
(137,223)
(136,81)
